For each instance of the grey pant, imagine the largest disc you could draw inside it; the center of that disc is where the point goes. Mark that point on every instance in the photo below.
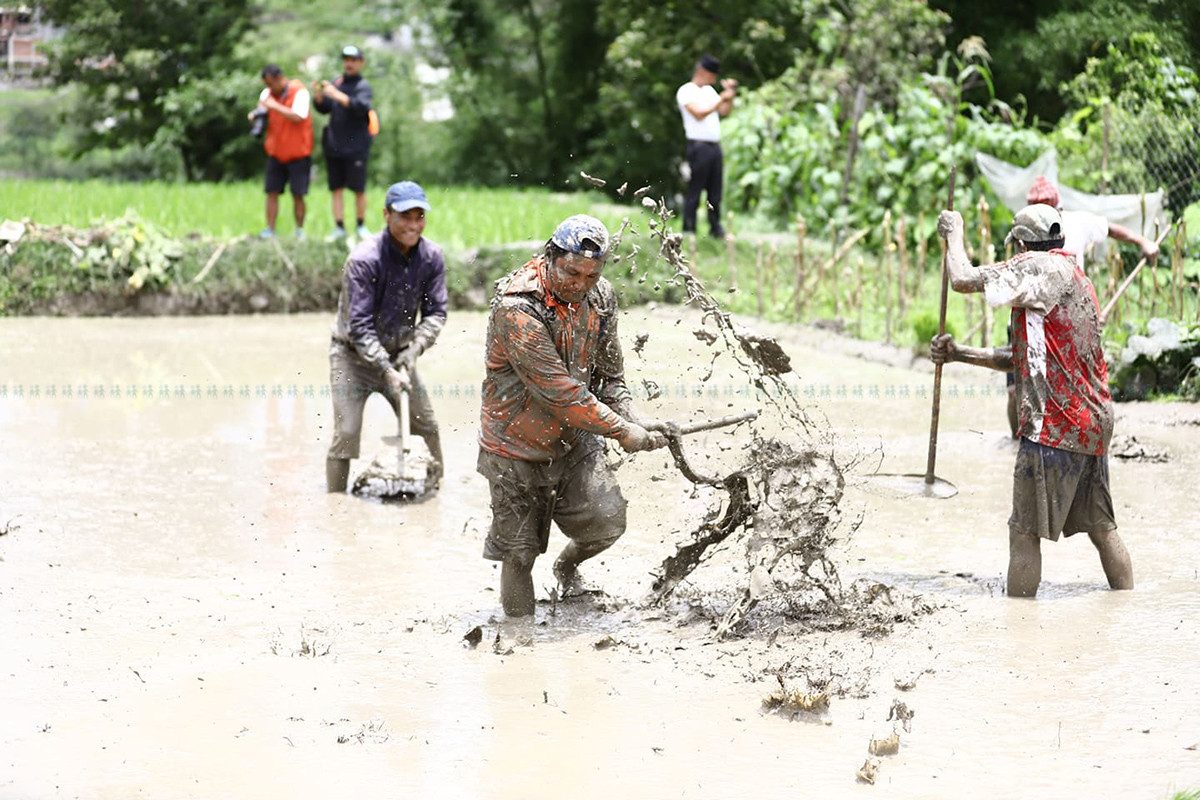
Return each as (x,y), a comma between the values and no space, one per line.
(1060,492)
(589,508)
(352,380)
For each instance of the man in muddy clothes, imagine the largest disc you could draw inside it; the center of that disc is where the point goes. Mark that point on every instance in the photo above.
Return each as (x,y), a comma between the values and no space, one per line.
(1081,229)
(555,384)
(1060,483)
(388,279)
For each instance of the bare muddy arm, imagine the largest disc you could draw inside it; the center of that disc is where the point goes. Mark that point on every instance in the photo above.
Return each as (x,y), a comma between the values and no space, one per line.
(964,277)
(1123,234)
(943,350)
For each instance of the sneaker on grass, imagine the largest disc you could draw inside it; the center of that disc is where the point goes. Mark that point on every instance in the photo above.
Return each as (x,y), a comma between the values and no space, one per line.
(268,233)
(299,233)
(337,235)
(361,232)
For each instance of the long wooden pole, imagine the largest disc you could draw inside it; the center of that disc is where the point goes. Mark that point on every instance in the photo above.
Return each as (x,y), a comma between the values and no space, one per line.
(1108,307)
(937,368)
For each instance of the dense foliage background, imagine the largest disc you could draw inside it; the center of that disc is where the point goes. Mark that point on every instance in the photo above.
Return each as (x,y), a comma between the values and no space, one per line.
(531,92)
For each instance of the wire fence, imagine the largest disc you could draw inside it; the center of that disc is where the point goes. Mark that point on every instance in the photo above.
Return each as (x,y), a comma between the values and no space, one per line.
(1144,147)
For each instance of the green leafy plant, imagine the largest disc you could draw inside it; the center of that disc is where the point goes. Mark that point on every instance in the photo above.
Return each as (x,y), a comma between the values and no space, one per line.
(925,327)
(1164,359)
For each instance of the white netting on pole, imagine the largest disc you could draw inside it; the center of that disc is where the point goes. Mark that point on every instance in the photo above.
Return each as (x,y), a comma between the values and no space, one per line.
(1010,182)
(1145,147)
(1135,163)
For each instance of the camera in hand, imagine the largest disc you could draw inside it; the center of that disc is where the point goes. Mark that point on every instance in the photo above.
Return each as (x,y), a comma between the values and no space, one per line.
(258,122)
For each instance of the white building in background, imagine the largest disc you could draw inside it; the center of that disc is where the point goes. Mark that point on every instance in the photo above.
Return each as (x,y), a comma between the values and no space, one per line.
(21,33)
(412,42)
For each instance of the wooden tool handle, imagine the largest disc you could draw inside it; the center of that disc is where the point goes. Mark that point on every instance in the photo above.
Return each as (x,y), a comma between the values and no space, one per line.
(937,368)
(721,422)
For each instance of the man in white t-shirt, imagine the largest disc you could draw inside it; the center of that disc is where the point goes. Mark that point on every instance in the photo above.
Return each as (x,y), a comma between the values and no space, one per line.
(702,108)
(1081,229)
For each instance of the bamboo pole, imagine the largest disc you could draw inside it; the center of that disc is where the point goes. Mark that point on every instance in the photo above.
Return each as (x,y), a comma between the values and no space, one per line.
(836,290)
(758,276)
(798,298)
(821,269)
(987,255)
(1176,296)
(859,297)
(1154,292)
(902,265)
(1114,278)
(832,264)
(1178,249)
(731,252)
(208,265)
(887,276)
(773,271)
(922,256)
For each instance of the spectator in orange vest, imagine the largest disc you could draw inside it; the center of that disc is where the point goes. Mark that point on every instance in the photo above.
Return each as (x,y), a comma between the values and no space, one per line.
(289,143)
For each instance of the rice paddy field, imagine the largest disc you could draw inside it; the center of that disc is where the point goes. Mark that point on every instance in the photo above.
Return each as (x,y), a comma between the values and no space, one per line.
(461,217)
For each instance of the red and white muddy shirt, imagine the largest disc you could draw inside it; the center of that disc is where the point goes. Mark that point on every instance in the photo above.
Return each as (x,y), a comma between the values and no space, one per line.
(1058,363)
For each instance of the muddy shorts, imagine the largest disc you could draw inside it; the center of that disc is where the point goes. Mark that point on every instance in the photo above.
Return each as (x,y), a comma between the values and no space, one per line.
(351,381)
(1060,492)
(588,507)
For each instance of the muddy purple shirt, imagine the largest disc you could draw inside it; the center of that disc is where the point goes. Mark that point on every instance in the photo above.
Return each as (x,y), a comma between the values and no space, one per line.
(383,291)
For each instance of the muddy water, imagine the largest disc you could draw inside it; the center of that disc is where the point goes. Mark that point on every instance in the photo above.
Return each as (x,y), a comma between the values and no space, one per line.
(185,613)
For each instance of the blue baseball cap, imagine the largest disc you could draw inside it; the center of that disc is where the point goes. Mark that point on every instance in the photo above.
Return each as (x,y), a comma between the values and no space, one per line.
(405,195)
(573,231)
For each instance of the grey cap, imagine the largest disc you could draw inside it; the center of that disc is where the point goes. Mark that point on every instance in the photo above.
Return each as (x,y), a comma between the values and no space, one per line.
(350,51)
(572,231)
(1036,223)
(405,195)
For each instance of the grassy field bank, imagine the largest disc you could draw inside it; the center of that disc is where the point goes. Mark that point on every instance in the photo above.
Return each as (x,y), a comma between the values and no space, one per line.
(172,232)
(460,218)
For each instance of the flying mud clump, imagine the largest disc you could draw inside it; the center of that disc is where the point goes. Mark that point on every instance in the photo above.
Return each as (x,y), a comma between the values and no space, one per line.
(783,505)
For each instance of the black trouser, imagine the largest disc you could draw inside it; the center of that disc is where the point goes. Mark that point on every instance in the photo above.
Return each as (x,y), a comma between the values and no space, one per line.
(707,167)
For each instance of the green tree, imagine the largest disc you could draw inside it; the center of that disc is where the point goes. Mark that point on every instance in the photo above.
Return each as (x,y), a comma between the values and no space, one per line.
(825,43)
(148,67)
(524,80)
(1038,46)
(1140,108)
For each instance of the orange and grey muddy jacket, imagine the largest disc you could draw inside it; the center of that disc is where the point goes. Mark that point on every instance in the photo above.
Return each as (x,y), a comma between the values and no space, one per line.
(555,372)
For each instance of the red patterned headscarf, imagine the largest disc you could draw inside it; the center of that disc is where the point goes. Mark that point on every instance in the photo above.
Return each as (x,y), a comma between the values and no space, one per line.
(1042,192)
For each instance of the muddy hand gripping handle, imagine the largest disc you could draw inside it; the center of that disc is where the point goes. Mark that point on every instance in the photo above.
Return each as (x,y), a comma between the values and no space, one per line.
(937,368)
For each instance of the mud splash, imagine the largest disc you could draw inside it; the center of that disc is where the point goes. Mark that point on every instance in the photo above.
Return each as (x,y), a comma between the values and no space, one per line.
(783,505)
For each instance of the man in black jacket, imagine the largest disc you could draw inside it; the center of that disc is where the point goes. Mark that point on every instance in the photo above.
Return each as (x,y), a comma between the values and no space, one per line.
(347,139)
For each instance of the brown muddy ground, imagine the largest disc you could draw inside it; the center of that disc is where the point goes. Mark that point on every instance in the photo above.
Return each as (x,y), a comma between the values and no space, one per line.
(185,613)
